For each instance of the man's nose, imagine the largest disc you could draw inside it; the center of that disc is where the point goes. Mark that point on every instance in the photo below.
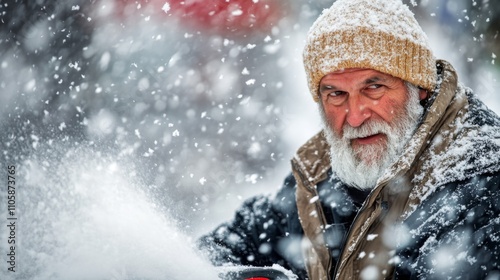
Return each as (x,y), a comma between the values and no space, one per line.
(358,111)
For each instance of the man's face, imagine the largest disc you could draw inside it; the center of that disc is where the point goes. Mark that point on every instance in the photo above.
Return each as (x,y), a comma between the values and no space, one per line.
(368,115)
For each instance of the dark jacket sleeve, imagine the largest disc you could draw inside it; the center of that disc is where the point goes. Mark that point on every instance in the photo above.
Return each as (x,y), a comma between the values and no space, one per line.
(264,231)
(456,233)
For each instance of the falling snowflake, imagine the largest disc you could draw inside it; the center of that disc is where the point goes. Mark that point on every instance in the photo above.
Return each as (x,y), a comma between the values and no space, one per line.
(203,180)
(166,7)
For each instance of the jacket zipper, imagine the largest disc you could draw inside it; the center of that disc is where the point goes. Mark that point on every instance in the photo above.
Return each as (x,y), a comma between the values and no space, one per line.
(319,209)
(361,209)
(337,265)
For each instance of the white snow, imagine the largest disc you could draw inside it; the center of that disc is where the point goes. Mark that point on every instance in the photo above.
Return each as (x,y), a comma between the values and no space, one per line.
(371,237)
(370,273)
(369,18)
(166,7)
(85,217)
(102,123)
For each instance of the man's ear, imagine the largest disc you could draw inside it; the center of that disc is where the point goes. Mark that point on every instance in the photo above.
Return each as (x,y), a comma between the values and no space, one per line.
(423,94)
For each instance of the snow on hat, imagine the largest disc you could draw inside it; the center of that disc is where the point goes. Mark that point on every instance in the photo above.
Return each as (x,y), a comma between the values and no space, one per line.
(377,34)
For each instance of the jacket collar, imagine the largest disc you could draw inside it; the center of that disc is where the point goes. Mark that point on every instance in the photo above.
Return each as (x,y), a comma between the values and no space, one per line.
(313,159)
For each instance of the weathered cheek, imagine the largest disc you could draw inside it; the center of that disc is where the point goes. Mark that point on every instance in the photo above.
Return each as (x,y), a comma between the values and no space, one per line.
(336,118)
(386,110)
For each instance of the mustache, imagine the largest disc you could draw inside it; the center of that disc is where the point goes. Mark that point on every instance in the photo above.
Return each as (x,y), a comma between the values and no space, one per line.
(368,128)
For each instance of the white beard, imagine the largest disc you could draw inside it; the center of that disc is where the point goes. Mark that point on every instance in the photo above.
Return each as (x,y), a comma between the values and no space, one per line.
(362,168)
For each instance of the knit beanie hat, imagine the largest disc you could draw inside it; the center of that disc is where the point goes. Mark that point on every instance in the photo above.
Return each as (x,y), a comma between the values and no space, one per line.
(377,34)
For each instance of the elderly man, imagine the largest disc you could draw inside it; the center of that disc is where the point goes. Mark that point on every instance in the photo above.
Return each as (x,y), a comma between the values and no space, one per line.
(403,181)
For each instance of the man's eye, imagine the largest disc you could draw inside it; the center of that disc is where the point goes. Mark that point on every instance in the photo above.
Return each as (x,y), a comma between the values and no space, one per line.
(336,93)
(374,86)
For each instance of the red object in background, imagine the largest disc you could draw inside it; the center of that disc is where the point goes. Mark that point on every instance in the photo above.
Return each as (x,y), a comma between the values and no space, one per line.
(230,16)
(233,18)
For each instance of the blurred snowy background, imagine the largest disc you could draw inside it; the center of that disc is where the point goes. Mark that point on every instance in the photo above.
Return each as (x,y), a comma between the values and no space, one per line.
(136,126)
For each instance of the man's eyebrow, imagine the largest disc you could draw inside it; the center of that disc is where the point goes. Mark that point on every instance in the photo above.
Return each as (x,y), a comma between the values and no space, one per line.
(373,79)
(327,86)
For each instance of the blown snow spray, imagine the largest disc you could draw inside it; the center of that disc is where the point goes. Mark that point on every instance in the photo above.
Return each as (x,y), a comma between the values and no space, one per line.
(83,215)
